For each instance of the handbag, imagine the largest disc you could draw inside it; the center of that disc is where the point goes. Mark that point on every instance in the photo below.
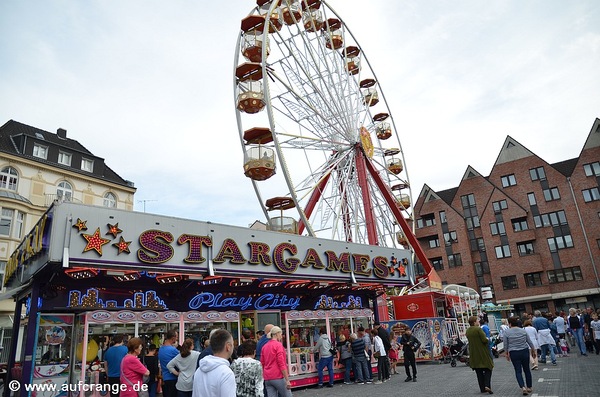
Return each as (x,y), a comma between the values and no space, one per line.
(377,354)
(333,350)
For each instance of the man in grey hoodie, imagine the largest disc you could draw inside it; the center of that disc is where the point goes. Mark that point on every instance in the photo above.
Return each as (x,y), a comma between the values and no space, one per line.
(214,378)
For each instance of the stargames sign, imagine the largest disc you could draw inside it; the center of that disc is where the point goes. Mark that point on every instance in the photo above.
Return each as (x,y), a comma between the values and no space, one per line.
(99,237)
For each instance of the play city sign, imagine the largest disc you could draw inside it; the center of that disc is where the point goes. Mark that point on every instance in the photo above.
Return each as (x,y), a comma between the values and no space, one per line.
(98,237)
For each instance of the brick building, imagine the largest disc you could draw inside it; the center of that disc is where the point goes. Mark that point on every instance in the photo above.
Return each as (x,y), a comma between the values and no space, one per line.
(530,230)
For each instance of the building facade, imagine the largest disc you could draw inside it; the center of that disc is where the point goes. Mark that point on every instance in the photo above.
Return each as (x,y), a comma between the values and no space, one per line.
(530,230)
(38,167)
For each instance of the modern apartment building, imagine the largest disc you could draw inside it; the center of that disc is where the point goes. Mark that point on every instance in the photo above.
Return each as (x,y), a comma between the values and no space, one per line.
(38,167)
(530,230)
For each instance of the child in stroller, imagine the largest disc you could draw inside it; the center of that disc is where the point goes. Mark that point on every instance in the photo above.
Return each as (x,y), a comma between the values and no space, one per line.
(459,352)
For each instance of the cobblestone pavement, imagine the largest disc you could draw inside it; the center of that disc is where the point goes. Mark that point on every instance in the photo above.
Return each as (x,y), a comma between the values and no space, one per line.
(574,376)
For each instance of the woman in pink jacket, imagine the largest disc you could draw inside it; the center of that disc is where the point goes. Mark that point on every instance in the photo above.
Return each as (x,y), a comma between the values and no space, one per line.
(275,371)
(132,370)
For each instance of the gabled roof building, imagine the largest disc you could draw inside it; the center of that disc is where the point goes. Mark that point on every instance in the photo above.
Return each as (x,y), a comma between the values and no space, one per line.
(530,230)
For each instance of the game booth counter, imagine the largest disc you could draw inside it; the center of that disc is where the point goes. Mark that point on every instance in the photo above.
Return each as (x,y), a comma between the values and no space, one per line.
(84,274)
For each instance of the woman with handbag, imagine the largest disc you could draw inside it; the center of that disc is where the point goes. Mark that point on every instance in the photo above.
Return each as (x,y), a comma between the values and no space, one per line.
(133,371)
(380,354)
(183,366)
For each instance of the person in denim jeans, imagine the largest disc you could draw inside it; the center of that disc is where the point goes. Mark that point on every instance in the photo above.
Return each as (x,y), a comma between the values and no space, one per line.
(544,337)
(325,357)
(519,347)
(359,356)
(576,326)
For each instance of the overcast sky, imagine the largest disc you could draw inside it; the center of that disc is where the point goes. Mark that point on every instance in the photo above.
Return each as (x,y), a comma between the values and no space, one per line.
(148,86)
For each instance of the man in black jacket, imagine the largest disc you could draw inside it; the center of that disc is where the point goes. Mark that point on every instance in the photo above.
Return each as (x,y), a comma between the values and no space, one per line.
(410,345)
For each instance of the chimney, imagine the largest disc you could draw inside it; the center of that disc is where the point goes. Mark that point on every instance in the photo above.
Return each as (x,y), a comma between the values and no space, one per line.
(62,133)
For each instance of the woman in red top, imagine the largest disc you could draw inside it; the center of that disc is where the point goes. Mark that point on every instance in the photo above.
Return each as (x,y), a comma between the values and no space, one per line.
(132,370)
(275,371)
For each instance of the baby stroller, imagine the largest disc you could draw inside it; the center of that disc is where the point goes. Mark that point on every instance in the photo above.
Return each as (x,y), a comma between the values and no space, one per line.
(494,342)
(460,352)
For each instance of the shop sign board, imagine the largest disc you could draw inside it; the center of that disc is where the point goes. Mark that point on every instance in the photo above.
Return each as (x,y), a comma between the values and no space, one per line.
(81,236)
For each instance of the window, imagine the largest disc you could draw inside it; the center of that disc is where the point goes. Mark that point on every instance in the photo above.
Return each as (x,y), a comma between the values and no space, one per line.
(481,268)
(64,191)
(40,151)
(9,178)
(454,260)
(468,200)
(499,206)
(510,282)
(531,198)
(425,221)
(87,165)
(472,222)
(537,173)
(592,169)
(551,194)
(502,251)
(443,217)
(498,228)
(533,279)
(434,242)
(110,200)
(508,180)
(560,242)
(438,263)
(519,224)
(19,222)
(591,195)
(565,274)
(64,158)
(6,218)
(450,238)
(550,219)
(477,244)
(525,248)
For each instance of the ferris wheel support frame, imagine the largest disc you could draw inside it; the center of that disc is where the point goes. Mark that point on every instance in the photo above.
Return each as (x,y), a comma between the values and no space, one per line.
(312,202)
(433,279)
(361,172)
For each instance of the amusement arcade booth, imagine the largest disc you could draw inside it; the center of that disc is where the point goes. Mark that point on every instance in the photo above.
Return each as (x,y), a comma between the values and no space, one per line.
(85,274)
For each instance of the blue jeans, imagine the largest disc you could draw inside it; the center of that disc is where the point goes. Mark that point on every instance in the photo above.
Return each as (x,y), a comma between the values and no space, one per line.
(152,386)
(325,362)
(347,368)
(520,360)
(545,349)
(578,333)
(362,370)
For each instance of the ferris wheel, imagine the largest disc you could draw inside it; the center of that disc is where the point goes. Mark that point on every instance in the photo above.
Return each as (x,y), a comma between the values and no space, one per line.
(320,144)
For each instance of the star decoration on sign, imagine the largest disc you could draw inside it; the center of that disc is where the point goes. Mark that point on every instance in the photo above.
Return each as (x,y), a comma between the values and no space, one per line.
(95,242)
(113,229)
(80,225)
(122,245)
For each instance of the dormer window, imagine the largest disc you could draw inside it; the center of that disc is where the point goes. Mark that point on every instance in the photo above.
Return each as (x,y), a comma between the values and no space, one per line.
(64,158)
(87,165)
(40,151)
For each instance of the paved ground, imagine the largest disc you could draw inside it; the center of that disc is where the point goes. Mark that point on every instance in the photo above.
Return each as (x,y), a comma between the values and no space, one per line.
(574,376)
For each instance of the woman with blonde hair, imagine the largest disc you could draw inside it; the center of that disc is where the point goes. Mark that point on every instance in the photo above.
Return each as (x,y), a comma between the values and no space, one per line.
(275,371)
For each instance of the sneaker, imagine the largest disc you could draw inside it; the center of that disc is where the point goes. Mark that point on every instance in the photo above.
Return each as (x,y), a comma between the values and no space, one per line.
(415,379)
(542,362)
(319,386)
(535,367)
(385,380)
(554,363)
(347,383)
(369,381)
(329,385)
(408,379)
(378,382)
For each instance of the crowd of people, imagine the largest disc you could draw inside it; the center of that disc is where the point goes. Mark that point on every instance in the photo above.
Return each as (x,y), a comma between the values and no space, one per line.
(532,339)
(256,368)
